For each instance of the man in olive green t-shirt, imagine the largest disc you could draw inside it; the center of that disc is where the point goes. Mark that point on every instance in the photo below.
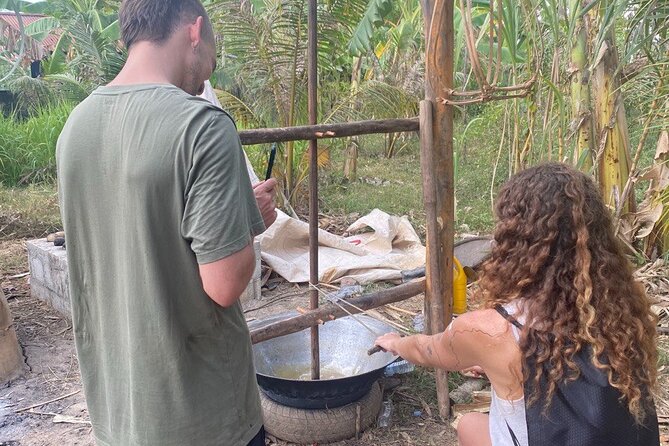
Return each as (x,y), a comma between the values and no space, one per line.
(160,215)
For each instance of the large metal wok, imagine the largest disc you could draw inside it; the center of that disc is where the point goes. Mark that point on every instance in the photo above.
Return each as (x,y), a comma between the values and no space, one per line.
(283,364)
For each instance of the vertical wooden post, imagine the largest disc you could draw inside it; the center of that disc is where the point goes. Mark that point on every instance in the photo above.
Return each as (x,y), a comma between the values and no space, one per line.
(312,54)
(433,262)
(439,47)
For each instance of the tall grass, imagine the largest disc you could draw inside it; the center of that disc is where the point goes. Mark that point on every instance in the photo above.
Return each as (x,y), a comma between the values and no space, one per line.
(28,147)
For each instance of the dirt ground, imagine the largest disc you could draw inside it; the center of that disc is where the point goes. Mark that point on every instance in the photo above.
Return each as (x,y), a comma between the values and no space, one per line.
(52,372)
(47,407)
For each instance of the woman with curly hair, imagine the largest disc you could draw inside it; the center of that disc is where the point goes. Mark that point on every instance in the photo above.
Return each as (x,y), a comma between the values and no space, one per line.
(566,335)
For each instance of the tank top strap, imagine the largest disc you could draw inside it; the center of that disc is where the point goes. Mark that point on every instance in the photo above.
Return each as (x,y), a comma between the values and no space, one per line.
(505,314)
(516,326)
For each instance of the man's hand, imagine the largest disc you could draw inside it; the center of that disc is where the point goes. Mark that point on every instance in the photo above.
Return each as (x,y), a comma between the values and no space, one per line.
(265,192)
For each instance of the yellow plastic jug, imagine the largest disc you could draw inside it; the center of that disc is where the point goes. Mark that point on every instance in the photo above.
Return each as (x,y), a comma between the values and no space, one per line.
(459,288)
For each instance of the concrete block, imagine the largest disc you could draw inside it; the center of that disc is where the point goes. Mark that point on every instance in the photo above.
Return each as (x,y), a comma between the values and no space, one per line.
(49,280)
(48,274)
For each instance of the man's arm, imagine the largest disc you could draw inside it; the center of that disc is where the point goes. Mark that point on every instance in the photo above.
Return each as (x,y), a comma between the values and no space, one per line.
(221,213)
(226,279)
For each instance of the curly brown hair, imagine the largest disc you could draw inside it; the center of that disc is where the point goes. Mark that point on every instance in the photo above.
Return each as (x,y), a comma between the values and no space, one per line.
(556,251)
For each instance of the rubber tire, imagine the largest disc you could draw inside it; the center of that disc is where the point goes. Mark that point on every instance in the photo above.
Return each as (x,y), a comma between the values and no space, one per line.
(304,426)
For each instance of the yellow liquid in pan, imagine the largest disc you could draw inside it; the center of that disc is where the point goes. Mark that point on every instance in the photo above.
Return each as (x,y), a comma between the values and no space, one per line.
(303,372)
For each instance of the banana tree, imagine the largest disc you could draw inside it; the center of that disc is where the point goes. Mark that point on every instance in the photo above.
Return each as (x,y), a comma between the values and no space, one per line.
(88,52)
(647,46)
(18,6)
(579,71)
(613,156)
(90,34)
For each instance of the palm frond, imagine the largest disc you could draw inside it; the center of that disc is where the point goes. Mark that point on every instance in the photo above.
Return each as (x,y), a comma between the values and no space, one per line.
(242,112)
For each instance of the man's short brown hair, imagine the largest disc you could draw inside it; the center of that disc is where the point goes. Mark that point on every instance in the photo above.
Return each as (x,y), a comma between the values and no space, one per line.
(155,20)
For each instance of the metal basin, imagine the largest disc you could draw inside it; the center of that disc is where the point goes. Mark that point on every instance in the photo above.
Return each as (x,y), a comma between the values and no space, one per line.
(283,364)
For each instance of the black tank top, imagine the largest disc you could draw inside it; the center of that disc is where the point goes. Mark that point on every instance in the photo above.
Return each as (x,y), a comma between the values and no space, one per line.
(584,412)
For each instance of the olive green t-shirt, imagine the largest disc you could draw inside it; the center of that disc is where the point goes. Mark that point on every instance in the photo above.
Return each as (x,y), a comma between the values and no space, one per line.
(152,182)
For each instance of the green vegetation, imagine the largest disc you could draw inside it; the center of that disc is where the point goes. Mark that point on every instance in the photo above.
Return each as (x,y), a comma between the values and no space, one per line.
(392,185)
(395,185)
(585,82)
(28,147)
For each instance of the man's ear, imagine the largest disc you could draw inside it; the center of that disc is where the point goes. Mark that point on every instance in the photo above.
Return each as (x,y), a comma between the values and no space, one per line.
(195,32)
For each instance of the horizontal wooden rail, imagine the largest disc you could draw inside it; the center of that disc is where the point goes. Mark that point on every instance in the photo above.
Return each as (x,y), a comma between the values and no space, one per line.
(330,311)
(320,131)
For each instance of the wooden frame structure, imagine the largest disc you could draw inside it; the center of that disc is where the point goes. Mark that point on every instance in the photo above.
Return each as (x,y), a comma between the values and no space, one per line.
(435,125)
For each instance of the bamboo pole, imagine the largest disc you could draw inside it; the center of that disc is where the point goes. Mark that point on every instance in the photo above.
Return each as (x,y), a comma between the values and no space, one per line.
(439,34)
(320,131)
(433,261)
(313,183)
(330,311)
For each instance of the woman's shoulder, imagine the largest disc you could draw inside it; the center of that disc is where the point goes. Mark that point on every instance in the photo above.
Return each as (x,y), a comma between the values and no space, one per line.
(479,325)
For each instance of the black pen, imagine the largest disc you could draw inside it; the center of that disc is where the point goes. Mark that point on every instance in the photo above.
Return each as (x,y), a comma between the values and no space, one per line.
(270,164)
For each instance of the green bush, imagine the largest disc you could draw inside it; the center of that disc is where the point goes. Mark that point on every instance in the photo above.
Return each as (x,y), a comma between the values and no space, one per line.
(28,147)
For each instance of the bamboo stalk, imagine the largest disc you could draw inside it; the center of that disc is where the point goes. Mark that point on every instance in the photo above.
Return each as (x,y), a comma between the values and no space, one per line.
(313,184)
(320,131)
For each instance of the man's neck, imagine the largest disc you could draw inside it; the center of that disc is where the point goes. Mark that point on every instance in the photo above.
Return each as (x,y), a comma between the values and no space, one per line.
(150,64)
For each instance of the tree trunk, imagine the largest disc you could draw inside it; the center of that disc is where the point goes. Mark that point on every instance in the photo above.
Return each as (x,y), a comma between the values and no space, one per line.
(613,158)
(11,357)
(351,163)
(581,110)
(657,242)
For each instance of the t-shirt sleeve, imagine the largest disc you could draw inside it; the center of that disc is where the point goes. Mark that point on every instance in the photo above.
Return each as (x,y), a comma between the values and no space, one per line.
(221,215)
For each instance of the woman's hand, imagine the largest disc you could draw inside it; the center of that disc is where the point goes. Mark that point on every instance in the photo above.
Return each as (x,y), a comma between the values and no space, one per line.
(388,342)
(474,372)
